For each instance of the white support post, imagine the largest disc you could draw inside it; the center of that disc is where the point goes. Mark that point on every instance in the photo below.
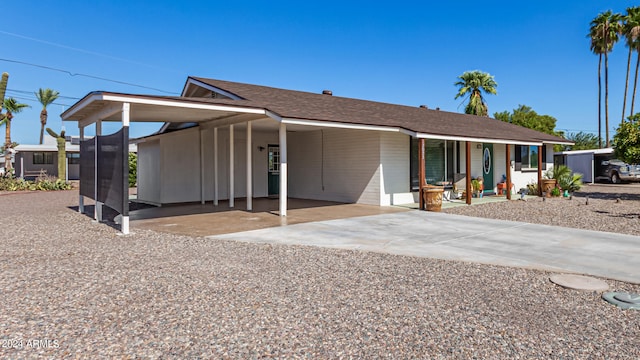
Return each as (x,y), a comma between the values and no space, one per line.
(231,170)
(124,226)
(215,166)
(202,188)
(283,169)
(249,166)
(97,209)
(80,197)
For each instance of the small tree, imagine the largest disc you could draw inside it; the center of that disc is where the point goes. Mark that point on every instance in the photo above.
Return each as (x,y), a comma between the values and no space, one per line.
(626,141)
(62,153)
(45,97)
(133,169)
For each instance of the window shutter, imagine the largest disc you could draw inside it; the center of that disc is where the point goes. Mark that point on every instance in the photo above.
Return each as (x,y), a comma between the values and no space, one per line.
(544,157)
(518,153)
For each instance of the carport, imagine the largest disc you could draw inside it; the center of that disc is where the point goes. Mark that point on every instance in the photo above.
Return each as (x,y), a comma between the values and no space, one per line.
(99,107)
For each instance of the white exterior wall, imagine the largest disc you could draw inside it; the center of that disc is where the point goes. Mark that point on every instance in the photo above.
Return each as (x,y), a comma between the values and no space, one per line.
(169,165)
(149,171)
(335,165)
(499,164)
(520,179)
(394,169)
(180,169)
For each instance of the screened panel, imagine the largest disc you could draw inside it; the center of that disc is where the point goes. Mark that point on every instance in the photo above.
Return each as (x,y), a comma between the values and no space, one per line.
(87,168)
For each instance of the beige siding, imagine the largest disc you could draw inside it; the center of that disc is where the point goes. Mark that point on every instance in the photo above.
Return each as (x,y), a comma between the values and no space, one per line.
(336,165)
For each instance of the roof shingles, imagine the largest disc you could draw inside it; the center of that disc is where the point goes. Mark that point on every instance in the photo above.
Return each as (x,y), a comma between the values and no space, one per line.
(310,106)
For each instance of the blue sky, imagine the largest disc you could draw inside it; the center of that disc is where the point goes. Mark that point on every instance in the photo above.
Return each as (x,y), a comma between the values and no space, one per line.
(410,53)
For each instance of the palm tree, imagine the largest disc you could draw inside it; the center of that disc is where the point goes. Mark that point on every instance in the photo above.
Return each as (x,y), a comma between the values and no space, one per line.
(474,83)
(598,49)
(12,107)
(605,28)
(45,97)
(631,32)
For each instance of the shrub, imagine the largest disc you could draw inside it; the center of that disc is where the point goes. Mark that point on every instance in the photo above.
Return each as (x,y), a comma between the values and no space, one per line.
(43,183)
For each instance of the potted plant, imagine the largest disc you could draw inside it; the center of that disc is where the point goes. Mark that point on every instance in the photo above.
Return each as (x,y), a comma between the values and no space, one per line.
(551,176)
(570,183)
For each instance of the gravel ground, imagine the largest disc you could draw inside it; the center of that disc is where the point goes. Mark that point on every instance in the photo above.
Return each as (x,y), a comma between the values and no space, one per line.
(85,292)
(611,208)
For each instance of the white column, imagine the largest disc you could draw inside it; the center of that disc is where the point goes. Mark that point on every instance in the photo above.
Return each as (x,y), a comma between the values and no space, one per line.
(231,170)
(202,188)
(249,166)
(283,169)
(97,209)
(124,226)
(80,197)
(215,166)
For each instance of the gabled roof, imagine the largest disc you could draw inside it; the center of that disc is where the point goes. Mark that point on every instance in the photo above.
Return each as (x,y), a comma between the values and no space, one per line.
(290,104)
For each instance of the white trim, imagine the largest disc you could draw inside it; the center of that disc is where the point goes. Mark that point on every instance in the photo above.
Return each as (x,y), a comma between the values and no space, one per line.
(104,112)
(125,225)
(273,115)
(231,169)
(215,166)
(202,185)
(480,140)
(333,124)
(283,169)
(249,166)
(181,104)
(80,105)
(126,114)
(200,84)
(591,151)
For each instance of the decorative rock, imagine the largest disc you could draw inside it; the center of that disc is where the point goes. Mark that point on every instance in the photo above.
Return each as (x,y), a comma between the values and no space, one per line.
(579,282)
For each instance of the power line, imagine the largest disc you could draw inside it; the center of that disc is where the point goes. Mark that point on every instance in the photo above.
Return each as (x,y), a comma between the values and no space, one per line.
(36,100)
(86,75)
(33,93)
(79,50)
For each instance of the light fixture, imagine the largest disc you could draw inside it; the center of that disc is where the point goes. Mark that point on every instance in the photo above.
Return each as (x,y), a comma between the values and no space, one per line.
(261,148)
(479,146)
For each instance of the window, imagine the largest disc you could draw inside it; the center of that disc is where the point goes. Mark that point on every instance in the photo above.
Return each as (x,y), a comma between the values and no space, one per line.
(440,159)
(42,158)
(73,158)
(527,157)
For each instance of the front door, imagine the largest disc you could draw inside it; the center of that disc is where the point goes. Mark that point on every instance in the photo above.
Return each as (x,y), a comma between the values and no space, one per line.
(487,167)
(274,170)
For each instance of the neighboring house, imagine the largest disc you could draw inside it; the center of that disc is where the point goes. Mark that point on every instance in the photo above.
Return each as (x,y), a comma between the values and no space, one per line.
(32,160)
(226,140)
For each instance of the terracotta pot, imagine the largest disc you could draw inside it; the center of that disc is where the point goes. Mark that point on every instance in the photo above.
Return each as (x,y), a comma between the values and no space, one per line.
(433,197)
(547,185)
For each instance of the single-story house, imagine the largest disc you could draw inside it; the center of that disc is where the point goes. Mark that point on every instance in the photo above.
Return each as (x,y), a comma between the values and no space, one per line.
(223,140)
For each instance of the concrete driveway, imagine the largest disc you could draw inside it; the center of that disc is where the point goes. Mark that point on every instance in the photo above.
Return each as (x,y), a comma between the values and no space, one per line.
(454,237)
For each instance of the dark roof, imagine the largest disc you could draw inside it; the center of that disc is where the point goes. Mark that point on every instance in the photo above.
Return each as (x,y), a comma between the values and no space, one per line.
(321,107)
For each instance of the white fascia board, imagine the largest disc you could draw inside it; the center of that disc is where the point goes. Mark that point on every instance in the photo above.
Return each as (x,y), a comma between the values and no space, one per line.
(480,140)
(332,124)
(273,115)
(591,151)
(181,104)
(101,114)
(79,106)
(208,87)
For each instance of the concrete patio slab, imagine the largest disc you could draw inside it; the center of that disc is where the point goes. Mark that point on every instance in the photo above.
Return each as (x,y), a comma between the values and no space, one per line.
(454,237)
